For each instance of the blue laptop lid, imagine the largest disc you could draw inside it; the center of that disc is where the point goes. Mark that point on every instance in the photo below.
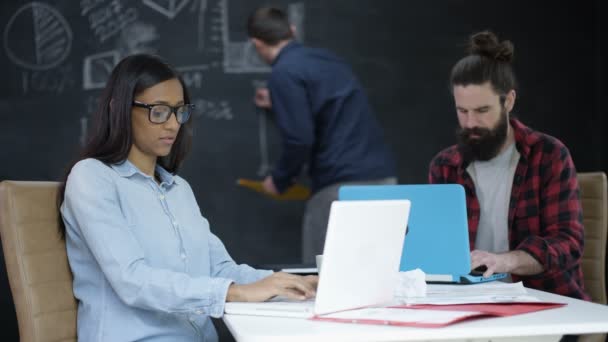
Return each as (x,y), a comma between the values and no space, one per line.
(437,240)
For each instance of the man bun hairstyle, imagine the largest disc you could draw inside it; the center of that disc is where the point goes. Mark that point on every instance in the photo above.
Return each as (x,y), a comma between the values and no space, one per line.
(488,60)
(486,44)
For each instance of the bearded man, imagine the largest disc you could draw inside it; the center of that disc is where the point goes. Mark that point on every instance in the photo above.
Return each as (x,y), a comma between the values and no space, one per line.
(523,200)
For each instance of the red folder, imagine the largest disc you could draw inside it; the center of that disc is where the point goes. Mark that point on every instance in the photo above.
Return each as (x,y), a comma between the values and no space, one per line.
(494,309)
(470,311)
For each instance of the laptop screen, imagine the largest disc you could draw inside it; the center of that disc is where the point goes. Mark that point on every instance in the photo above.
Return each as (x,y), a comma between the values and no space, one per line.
(437,240)
(361,254)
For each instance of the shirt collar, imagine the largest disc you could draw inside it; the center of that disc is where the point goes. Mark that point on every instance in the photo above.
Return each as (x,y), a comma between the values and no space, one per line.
(127,169)
(165,176)
(290,46)
(525,137)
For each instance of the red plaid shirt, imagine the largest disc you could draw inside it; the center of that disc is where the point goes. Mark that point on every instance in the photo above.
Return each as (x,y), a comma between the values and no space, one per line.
(545,216)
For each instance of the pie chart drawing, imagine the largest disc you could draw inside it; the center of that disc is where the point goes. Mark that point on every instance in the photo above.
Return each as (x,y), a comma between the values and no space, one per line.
(37,37)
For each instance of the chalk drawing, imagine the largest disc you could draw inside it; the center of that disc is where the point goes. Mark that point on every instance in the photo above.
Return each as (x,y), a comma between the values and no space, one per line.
(108,19)
(168,8)
(201,25)
(87,5)
(240,56)
(55,81)
(37,37)
(97,68)
(137,38)
(263,120)
(193,75)
(295,13)
(201,7)
(213,110)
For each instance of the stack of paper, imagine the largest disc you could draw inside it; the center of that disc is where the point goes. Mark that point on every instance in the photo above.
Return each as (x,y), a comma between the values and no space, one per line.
(447,304)
(493,292)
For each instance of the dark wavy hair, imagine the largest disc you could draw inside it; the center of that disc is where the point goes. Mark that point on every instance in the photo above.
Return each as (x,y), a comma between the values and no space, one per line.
(111,135)
(489,60)
(270,25)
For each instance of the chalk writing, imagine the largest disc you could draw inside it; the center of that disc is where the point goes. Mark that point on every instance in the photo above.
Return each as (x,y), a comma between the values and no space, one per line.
(193,75)
(54,81)
(107,18)
(214,110)
(138,37)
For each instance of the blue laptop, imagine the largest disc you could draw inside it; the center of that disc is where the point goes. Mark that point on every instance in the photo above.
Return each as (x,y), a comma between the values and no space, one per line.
(437,238)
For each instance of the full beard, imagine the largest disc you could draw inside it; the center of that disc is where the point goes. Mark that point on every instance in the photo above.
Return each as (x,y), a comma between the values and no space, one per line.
(488,142)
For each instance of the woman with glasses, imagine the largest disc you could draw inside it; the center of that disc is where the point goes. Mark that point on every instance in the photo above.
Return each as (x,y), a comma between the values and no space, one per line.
(145,264)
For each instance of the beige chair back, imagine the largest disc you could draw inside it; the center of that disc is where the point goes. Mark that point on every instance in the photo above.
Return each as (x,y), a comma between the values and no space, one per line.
(36,261)
(594,197)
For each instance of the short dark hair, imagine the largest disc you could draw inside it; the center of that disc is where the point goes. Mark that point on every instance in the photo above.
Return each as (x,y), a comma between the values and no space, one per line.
(111,135)
(270,25)
(488,61)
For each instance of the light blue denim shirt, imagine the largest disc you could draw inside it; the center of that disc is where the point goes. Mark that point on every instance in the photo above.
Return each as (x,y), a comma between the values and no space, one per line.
(145,264)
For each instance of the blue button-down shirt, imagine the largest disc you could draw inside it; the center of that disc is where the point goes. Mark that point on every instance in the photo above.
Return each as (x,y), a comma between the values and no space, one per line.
(145,264)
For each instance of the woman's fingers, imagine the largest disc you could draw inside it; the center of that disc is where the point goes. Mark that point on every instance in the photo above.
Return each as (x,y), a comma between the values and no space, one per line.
(292,294)
(298,283)
(312,280)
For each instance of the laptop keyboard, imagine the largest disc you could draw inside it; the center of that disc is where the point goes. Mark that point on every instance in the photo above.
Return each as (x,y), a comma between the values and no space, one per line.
(281,299)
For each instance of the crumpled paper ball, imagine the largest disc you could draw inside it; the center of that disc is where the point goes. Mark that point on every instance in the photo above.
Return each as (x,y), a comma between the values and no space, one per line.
(411,284)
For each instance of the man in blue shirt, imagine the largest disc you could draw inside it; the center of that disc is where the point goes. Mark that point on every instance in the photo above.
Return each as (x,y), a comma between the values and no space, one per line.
(325,121)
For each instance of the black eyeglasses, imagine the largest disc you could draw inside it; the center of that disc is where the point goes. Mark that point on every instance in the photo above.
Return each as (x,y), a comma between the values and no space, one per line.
(160,113)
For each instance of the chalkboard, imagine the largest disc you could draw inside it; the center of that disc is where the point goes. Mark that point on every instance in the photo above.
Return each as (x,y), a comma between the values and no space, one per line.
(55,57)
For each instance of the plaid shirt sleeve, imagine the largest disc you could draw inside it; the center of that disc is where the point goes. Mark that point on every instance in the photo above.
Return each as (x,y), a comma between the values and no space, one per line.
(435,173)
(559,244)
(438,174)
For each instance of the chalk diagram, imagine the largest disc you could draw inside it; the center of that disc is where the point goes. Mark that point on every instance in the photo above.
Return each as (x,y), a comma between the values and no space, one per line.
(240,56)
(168,8)
(97,68)
(37,37)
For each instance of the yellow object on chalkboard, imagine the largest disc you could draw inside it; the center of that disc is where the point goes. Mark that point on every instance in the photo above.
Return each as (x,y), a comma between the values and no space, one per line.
(296,192)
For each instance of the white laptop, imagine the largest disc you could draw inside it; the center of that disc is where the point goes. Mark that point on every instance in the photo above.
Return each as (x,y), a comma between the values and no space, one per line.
(360,261)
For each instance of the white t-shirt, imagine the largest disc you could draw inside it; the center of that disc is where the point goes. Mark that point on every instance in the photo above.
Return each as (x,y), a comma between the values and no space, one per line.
(493,180)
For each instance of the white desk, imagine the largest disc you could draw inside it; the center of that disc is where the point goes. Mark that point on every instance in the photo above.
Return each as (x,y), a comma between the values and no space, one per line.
(578,317)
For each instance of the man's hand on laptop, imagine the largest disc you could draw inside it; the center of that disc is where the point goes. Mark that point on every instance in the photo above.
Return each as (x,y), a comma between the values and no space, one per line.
(516,262)
(494,263)
(277,284)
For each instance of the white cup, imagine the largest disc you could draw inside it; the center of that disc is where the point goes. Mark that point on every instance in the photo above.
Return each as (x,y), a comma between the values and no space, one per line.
(319,260)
